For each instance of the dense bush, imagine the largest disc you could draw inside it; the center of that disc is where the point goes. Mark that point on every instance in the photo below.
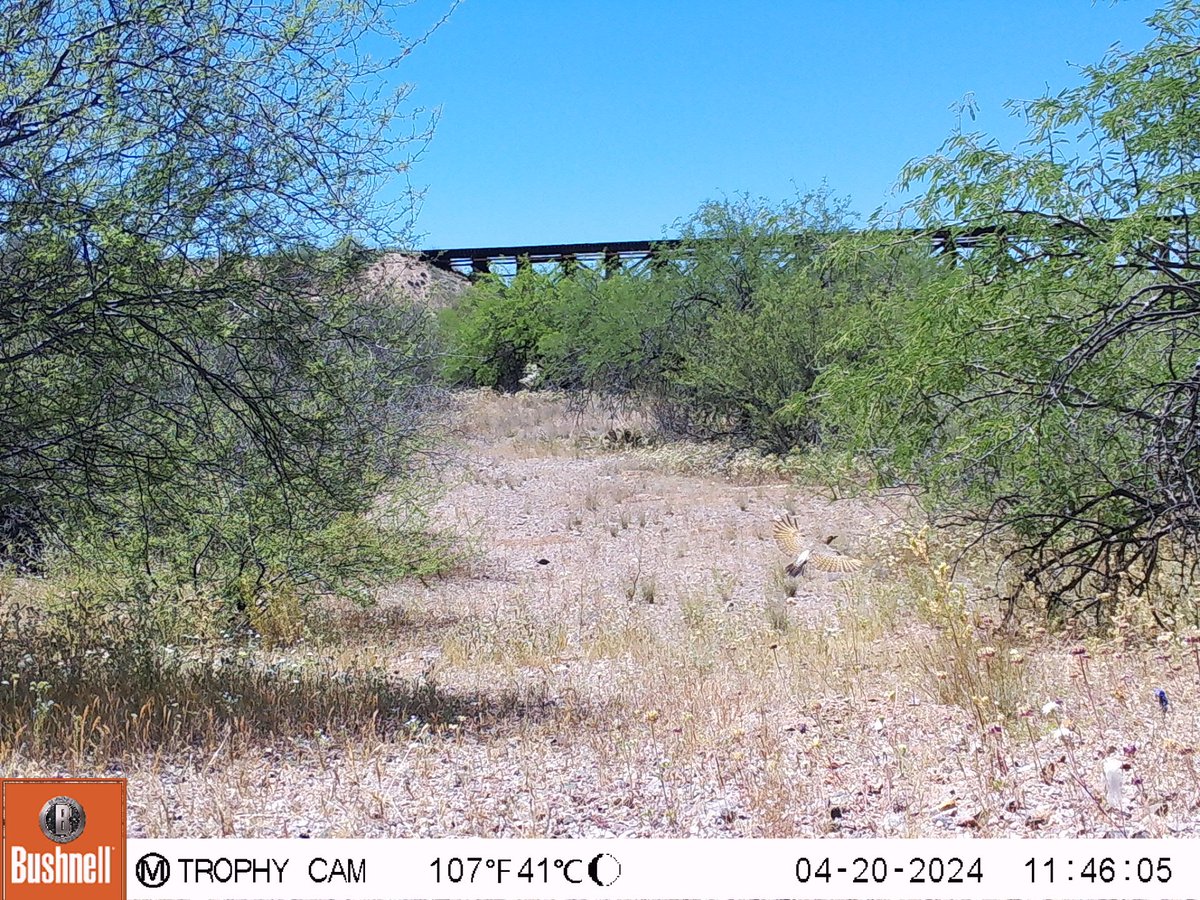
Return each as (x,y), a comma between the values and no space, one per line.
(1052,382)
(497,329)
(582,332)
(761,300)
(187,388)
(725,336)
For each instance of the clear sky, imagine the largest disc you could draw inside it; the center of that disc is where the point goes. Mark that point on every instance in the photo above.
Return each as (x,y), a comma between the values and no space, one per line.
(565,121)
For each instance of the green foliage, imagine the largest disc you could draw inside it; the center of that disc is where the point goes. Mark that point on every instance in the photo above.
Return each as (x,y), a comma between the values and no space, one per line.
(761,300)
(750,372)
(724,336)
(498,329)
(188,382)
(1050,380)
(604,344)
(752,303)
(585,331)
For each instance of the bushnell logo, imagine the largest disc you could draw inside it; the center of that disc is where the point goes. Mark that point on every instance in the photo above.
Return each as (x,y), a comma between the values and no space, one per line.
(52,849)
(62,820)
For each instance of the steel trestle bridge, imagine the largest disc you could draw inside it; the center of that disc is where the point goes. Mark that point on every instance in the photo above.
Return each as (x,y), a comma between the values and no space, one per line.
(613,255)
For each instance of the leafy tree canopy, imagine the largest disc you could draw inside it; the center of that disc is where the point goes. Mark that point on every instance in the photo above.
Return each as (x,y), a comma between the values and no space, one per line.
(1055,375)
(176,355)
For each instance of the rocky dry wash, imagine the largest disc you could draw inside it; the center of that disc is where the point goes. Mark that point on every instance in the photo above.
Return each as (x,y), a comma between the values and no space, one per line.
(620,654)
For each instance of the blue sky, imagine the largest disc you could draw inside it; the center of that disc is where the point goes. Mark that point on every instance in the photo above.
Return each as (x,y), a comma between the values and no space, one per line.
(571,121)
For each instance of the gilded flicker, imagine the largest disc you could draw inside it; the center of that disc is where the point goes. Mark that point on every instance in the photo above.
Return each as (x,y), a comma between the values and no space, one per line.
(788,536)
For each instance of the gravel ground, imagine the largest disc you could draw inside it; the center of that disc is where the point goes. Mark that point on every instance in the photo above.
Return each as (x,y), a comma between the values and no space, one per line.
(620,655)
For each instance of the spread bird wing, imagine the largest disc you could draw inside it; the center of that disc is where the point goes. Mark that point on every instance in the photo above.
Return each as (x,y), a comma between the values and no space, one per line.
(830,563)
(787,535)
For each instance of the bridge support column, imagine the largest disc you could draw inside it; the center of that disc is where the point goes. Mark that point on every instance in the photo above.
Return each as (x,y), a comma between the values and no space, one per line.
(612,263)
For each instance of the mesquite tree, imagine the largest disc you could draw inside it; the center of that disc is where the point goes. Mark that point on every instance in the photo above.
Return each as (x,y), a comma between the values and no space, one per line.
(183,373)
(1053,374)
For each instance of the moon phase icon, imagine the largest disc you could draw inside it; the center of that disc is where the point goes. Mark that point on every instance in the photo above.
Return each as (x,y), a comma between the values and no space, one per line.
(604,869)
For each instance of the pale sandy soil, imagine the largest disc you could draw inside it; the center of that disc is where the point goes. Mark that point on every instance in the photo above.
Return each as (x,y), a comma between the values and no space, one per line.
(618,656)
(403,274)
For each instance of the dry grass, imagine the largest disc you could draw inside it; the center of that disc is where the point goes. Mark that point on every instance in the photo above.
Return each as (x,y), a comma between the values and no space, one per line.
(548,423)
(620,654)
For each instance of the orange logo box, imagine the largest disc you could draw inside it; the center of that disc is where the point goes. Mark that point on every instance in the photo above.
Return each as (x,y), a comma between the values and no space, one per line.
(63,838)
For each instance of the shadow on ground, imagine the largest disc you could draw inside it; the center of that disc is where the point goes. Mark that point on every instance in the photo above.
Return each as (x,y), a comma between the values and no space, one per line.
(98,697)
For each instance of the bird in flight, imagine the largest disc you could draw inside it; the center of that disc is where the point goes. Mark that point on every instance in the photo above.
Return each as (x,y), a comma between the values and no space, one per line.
(787,535)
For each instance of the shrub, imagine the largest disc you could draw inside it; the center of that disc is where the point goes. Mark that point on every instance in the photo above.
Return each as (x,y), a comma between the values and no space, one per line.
(723,337)
(1048,385)
(188,383)
(497,329)
(760,300)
